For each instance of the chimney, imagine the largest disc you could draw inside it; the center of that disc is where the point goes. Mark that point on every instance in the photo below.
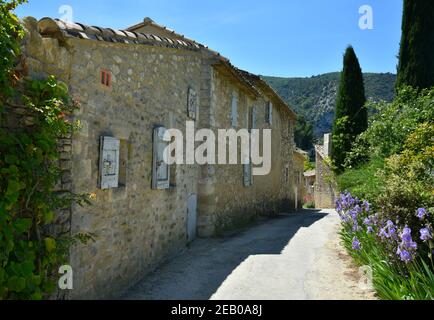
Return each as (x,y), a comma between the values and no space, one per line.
(327,144)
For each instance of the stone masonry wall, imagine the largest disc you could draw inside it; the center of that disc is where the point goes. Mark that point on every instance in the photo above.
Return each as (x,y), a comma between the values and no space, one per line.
(135,227)
(324,190)
(227,199)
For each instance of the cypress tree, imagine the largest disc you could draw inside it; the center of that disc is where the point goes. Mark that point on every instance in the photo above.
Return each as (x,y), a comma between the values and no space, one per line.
(416,55)
(351,117)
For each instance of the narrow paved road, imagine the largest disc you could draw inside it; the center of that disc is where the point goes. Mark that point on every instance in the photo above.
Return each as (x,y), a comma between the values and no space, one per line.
(296,256)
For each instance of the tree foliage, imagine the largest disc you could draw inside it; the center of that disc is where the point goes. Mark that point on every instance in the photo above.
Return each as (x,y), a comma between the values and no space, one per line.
(30,253)
(351,117)
(416,58)
(304,134)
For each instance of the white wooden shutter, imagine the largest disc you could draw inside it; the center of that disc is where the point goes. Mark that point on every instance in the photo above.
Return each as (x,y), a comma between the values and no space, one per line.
(192,104)
(109,162)
(234,110)
(160,168)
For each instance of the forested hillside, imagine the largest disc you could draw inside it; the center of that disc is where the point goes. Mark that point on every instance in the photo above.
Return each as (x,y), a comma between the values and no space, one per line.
(314,98)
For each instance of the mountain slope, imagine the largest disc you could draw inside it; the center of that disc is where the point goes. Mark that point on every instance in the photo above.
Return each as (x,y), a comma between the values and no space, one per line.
(315,97)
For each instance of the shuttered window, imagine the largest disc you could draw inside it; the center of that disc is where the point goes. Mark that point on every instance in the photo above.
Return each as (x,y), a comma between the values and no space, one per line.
(234,110)
(109,162)
(160,168)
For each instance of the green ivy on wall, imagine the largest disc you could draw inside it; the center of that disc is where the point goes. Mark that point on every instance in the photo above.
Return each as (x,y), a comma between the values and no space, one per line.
(29,170)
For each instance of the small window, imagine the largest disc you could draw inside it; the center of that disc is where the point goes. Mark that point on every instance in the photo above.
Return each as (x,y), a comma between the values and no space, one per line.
(160,168)
(105,78)
(234,110)
(269,112)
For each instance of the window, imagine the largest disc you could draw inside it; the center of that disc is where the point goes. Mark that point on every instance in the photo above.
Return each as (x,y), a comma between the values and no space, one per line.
(192,104)
(269,112)
(160,168)
(105,78)
(109,162)
(234,110)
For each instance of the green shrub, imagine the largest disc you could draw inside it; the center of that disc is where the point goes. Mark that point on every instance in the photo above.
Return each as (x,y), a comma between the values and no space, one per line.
(309,205)
(393,122)
(363,181)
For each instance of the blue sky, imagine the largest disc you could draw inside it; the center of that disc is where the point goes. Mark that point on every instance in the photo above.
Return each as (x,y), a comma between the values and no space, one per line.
(274,37)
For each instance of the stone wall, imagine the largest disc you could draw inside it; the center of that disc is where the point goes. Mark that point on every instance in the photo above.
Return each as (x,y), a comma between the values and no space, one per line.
(299,181)
(136,227)
(226,201)
(325,193)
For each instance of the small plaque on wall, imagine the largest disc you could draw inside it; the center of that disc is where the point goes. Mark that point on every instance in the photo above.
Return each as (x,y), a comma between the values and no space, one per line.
(109,162)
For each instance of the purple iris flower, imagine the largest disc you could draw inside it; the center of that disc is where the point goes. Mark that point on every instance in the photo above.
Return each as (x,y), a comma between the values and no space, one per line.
(406,235)
(356,244)
(421,213)
(366,205)
(404,255)
(368,221)
(425,234)
(383,233)
(370,230)
(407,241)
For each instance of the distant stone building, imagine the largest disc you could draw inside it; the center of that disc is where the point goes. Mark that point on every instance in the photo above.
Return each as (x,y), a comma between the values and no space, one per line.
(324,188)
(132,84)
(309,179)
(299,182)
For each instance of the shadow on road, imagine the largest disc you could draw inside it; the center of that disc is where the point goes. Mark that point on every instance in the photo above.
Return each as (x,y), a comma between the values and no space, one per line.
(198,272)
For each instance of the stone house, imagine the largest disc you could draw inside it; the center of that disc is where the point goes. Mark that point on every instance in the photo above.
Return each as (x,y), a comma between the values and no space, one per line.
(324,188)
(131,84)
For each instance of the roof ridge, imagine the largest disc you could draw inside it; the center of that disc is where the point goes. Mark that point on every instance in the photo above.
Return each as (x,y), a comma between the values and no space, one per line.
(79,30)
(60,28)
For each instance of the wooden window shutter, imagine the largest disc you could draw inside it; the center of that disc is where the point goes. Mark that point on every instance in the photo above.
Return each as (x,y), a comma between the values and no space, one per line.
(109,162)
(160,169)
(234,110)
(192,104)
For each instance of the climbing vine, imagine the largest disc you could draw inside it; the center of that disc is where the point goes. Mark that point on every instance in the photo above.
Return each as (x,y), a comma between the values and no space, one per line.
(30,252)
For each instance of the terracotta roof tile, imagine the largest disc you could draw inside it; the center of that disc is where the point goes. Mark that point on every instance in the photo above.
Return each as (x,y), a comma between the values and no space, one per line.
(49,26)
